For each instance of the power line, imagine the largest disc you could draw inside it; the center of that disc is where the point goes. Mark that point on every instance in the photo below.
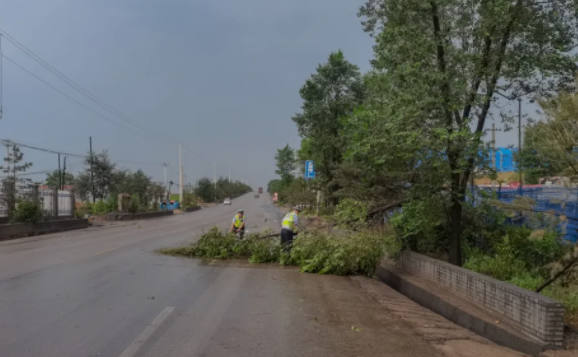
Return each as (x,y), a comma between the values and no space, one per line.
(197,155)
(1,81)
(39,149)
(35,173)
(81,104)
(81,90)
(69,154)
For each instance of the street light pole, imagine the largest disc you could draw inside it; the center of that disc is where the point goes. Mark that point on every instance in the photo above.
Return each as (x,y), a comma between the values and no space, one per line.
(520,142)
(215,178)
(165,167)
(180,175)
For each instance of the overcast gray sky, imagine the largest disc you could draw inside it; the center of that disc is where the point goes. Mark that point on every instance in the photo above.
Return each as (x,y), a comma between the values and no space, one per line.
(223,76)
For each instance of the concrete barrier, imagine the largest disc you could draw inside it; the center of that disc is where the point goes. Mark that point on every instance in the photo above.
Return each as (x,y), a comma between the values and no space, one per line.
(9,231)
(192,209)
(535,316)
(125,216)
(6,220)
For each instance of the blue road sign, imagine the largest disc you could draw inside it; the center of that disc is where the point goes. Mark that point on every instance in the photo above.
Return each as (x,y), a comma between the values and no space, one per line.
(309,169)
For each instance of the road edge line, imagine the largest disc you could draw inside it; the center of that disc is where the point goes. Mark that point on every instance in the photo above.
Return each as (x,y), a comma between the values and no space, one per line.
(135,345)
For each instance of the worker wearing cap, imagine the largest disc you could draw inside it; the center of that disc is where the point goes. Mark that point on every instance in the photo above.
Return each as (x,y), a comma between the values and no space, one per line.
(238,224)
(289,228)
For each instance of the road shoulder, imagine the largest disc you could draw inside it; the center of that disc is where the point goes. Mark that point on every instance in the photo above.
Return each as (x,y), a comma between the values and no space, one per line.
(445,336)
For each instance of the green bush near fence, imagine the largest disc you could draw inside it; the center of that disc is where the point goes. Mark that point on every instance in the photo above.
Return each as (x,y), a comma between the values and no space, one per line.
(27,212)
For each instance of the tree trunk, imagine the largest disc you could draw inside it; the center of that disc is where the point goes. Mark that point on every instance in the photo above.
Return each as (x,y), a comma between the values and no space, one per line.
(455,248)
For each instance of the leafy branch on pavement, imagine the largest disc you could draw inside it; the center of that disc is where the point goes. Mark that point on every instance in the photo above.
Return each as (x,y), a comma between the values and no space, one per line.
(313,252)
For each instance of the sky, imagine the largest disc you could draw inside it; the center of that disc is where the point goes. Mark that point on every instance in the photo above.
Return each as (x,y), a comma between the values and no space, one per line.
(221,76)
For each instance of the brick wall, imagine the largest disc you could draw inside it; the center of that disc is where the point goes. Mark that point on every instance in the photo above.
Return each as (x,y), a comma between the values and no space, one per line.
(535,315)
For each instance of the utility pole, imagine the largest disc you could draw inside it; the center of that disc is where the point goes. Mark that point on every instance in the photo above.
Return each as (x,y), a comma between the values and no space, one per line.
(215,178)
(92,171)
(180,174)
(59,174)
(63,174)
(520,142)
(165,167)
(229,174)
(494,145)
(8,158)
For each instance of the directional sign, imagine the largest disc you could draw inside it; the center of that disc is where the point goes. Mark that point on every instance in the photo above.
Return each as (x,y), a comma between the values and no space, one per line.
(309,170)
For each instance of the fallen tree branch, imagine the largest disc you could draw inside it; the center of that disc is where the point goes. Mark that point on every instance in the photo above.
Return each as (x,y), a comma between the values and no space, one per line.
(551,280)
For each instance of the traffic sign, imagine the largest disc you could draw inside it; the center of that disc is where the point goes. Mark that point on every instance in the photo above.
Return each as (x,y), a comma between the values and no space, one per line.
(309,169)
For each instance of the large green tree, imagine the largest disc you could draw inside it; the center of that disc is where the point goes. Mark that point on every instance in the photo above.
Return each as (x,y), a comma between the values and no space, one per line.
(446,63)
(13,182)
(329,95)
(53,178)
(551,146)
(285,160)
(102,174)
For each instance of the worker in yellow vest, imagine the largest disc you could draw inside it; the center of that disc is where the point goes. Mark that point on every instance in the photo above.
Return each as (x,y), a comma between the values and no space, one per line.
(289,228)
(238,224)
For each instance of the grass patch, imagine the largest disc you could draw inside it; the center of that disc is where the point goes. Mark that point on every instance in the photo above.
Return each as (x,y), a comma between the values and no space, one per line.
(343,254)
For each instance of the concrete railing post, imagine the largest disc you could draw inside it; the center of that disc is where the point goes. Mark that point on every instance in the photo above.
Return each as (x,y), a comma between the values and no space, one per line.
(72,203)
(55,202)
(34,194)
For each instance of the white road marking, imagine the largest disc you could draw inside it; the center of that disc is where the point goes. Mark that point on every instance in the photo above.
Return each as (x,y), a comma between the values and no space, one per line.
(133,348)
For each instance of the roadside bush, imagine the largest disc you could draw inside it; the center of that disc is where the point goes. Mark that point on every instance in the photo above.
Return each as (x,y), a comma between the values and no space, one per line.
(351,213)
(134,204)
(99,208)
(422,226)
(81,212)
(27,212)
(502,266)
(112,203)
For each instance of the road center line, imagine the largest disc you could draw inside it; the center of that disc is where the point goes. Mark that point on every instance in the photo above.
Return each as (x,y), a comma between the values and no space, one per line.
(133,348)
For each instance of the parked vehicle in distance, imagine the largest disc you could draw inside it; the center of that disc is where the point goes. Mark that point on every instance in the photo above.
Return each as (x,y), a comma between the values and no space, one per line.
(260,189)
(227,201)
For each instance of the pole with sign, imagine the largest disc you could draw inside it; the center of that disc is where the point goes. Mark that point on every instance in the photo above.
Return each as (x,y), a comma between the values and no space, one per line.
(309,170)
(310,174)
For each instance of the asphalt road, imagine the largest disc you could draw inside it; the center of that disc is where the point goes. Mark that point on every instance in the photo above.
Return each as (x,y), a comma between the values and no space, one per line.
(105,292)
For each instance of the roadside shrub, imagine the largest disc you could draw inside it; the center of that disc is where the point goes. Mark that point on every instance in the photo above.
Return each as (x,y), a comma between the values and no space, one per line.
(112,203)
(99,208)
(27,212)
(351,213)
(81,212)
(134,204)
(422,225)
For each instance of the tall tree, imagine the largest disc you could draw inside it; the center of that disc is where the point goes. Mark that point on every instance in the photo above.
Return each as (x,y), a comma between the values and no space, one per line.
(105,177)
(286,164)
(551,146)
(328,95)
(205,190)
(53,179)
(14,165)
(447,62)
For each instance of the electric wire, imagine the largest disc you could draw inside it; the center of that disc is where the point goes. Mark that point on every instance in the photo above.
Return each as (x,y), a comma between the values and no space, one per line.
(81,90)
(11,142)
(81,104)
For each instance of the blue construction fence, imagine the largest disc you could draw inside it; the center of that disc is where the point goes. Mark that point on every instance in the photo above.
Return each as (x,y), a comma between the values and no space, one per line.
(504,159)
(555,200)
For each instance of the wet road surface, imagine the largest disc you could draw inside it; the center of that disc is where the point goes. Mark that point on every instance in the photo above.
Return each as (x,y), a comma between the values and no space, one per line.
(105,292)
